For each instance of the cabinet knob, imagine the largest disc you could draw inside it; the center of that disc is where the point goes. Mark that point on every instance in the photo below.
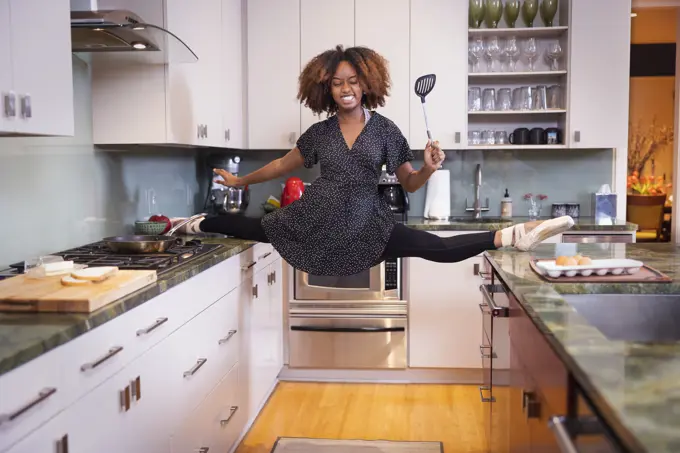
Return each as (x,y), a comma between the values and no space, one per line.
(577,136)
(62,444)
(26,110)
(255,291)
(9,103)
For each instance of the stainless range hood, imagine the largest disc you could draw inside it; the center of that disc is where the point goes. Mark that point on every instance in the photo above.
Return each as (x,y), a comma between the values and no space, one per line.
(123,36)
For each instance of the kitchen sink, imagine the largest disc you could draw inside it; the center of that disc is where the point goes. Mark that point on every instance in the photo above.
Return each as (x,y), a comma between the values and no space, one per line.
(651,318)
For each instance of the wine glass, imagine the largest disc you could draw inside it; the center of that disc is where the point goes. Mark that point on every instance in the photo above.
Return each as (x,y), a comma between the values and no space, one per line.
(478,52)
(553,52)
(512,52)
(472,59)
(530,51)
(493,50)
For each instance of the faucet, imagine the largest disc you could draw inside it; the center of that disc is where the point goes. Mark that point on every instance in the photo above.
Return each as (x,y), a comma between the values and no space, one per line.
(477,207)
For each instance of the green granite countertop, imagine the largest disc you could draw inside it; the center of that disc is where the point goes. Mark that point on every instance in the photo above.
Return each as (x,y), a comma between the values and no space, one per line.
(636,386)
(467,223)
(25,336)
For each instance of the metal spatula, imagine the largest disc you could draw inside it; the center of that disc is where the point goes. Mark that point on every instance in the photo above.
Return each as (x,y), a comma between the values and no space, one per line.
(423,87)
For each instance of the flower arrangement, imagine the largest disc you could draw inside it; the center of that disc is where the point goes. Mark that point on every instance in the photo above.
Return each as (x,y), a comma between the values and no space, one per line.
(643,144)
(647,185)
(535,204)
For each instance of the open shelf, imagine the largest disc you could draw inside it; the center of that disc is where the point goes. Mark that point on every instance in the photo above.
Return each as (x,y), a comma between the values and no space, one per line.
(515,75)
(520,32)
(515,147)
(517,112)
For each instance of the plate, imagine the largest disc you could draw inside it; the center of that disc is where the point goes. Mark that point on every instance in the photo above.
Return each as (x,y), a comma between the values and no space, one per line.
(597,267)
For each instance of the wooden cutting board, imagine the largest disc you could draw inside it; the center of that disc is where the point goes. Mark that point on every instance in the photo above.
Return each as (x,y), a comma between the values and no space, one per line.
(47,294)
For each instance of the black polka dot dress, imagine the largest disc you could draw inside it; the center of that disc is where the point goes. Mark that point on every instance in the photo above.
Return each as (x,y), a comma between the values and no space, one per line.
(341,224)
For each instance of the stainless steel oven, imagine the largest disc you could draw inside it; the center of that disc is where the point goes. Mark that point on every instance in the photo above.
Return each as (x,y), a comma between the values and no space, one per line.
(382,282)
(372,337)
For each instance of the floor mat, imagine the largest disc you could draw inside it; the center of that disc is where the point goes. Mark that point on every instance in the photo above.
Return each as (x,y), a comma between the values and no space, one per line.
(304,445)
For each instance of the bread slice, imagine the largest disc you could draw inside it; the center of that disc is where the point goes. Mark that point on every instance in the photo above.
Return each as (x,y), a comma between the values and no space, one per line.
(70,281)
(95,274)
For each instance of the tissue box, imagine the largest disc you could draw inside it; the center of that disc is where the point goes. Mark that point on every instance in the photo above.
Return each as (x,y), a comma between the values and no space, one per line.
(604,207)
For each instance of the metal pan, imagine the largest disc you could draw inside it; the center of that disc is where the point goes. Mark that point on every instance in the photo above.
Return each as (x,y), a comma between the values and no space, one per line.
(147,244)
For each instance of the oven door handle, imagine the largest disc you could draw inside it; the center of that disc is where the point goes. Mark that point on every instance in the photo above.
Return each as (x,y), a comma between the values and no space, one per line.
(347,329)
(496,311)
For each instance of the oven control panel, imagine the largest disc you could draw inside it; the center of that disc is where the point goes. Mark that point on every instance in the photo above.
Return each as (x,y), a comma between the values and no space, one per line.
(391,274)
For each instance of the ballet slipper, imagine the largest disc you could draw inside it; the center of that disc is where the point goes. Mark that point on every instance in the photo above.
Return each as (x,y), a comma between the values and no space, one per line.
(188,228)
(517,236)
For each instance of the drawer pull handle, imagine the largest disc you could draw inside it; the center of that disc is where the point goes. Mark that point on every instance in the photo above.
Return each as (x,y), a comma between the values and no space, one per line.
(228,337)
(481,395)
(265,255)
(153,326)
(204,450)
(195,368)
(232,411)
(274,277)
(248,266)
(558,426)
(255,292)
(136,388)
(125,399)
(42,396)
(62,444)
(90,365)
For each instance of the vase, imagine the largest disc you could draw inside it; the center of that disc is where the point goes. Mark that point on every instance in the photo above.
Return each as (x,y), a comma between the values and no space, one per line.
(493,13)
(529,11)
(548,11)
(476,13)
(511,12)
(534,208)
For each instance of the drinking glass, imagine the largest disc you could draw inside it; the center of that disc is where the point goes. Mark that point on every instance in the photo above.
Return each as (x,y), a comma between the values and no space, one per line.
(474,137)
(474,99)
(539,98)
(554,97)
(488,138)
(530,51)
(501,138)
(504,101)
(493,50)
(489,99)
(553,53)
(478,51)
(512,52)
(517,97)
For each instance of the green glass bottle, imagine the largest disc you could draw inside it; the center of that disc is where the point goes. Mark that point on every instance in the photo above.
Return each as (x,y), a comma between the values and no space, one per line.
(529,11)
(494,12)
(548,11)
(511,12)
(476,13)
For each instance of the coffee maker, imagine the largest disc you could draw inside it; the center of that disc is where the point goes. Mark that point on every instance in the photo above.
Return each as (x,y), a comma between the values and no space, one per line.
(228,200)
(395,195)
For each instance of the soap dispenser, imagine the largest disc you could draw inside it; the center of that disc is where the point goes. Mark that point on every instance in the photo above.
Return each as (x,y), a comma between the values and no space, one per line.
(506,206)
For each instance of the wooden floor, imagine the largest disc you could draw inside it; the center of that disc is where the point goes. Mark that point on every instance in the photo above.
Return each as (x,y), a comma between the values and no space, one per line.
(451,414)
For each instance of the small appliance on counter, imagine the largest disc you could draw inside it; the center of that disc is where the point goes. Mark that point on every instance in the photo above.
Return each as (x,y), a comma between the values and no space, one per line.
(394,194)
(604,206)
(438,198)
(292,190)
(228,200)
(573,210)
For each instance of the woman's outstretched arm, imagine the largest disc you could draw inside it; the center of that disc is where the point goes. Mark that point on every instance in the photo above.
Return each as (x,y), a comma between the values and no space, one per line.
(279,167)
(412,180)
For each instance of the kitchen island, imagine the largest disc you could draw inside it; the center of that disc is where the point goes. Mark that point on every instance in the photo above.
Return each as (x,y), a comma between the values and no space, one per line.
(632,385)
(467,223)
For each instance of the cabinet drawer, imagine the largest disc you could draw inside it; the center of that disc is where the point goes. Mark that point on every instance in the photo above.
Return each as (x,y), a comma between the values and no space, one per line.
(540,362)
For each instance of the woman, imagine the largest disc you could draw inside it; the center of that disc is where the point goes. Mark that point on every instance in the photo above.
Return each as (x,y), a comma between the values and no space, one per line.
(341,225)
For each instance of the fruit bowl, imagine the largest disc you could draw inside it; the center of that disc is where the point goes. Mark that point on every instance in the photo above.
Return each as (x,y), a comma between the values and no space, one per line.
(150,228)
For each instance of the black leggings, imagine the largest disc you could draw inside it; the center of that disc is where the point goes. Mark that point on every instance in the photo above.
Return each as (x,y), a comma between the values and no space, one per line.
(403,243)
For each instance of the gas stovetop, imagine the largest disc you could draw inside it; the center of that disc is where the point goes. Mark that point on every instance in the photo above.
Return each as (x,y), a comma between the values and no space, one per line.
(98,254)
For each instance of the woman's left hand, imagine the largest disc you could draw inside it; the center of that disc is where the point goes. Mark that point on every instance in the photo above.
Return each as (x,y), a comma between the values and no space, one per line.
(433,155)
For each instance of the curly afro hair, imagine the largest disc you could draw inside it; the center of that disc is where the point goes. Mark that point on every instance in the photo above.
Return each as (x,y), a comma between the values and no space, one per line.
(372,70)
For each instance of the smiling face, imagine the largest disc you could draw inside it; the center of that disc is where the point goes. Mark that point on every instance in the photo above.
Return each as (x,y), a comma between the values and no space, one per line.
(345,87)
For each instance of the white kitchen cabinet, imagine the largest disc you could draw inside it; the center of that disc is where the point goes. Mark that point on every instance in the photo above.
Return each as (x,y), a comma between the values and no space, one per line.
(392,42)
(36,77)
(324,24)
(182,103)
(439,45)
(445,323)
(598,91)
(232,81)
(273,70)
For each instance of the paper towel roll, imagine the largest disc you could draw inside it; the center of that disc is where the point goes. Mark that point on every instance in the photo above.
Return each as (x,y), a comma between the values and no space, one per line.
(438,197)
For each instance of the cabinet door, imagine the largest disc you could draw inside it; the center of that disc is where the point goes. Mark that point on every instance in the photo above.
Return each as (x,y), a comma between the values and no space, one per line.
(444,317)
(275,325)
(598,92)
(7,121)
(273,69)
(392,42)
(42,67)
(232,74)
(260,341)
(324,24)
(439,43)
(194,87)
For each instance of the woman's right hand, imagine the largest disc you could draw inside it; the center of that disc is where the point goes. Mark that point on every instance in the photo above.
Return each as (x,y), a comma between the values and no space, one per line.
(228,179)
